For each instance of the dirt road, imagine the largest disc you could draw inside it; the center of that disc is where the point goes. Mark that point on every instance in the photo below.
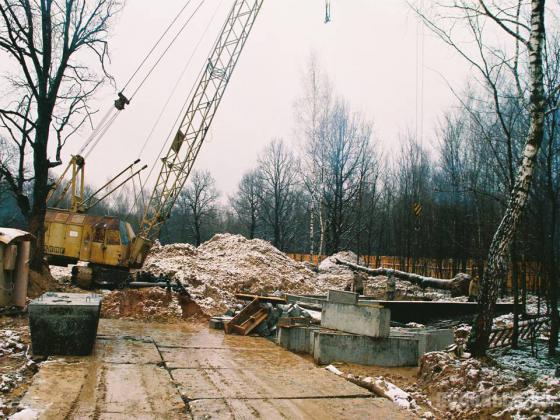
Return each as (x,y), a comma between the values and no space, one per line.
(177,371)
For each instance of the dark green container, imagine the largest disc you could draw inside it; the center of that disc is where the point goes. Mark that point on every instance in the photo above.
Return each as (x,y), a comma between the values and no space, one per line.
(64,323)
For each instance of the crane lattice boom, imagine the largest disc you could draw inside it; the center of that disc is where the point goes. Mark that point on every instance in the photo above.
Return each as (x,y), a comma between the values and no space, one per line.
(178,163)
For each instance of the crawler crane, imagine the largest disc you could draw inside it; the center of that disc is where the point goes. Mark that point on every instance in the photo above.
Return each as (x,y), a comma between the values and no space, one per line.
(114,253)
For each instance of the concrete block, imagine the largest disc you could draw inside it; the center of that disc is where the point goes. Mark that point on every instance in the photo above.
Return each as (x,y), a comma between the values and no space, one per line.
(336,346)
(296,339)
(369,320)
(64,323)
(403,347)
(340,296)
(429,339)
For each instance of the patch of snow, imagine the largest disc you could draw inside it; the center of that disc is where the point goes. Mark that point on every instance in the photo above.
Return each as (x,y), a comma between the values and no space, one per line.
(25,414)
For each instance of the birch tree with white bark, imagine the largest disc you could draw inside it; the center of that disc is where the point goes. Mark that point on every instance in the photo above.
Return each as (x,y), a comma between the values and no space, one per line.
(527,40)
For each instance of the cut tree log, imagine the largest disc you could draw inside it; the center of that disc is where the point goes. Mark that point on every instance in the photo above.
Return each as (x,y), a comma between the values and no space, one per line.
(458,285)
(380,387)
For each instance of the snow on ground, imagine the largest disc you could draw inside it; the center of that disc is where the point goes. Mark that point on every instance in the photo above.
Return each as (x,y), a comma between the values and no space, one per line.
(16,363)
(511,384)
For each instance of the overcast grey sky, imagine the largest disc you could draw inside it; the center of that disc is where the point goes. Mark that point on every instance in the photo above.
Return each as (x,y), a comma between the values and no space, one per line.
(369,51)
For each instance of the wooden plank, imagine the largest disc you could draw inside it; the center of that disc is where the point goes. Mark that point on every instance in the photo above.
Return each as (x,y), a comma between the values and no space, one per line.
(268,299)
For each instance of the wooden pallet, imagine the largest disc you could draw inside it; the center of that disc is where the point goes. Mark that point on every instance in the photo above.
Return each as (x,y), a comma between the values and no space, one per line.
(248,319)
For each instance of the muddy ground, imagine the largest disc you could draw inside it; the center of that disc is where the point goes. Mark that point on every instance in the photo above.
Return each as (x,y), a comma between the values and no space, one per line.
(185,370)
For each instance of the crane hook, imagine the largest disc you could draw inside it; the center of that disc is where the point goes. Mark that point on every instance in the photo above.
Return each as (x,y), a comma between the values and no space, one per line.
(327,11)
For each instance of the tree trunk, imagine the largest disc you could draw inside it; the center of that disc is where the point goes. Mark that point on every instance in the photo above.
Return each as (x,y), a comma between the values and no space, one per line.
(459,285)
(40,192)
(552,287)
(497,256)
(515,291)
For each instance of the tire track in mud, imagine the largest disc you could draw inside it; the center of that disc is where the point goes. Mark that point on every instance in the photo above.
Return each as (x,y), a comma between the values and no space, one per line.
(101,392)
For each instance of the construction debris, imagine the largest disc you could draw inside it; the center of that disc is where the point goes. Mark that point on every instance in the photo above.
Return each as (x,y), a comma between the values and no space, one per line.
(17,366)
(263,315)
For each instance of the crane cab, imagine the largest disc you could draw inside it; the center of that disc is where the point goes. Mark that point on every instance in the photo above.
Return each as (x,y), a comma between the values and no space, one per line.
(71,237)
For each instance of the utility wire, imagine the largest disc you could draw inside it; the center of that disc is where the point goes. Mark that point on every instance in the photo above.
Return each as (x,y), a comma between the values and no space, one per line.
(104,126)
(95,131)
(102,133)
(179,79)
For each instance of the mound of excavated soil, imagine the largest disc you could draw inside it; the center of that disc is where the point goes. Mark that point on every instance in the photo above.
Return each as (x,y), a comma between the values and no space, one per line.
(465,388)
(153,304)
(226,264)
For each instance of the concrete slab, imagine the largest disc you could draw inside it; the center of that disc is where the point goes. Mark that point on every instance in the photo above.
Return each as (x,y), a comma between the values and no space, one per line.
(335,408)
(191,358)
(134,351)
(121,381)
(273,382)
(55,387)
(88,389)
(369,320)
(340,296)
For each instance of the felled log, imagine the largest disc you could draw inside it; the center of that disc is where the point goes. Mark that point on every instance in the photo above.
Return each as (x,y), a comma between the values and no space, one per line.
(380,387)
(458,286)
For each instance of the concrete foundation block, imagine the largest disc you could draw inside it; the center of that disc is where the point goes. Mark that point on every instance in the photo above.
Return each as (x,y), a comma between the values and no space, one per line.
(429,339)
(401,348)
(336,346)
(297,339)
(340,296)
(368,320)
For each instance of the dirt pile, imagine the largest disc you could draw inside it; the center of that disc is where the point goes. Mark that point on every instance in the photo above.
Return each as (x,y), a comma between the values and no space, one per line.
(226,264)
(337,276)
(472,388)
(151,304)
(40,283)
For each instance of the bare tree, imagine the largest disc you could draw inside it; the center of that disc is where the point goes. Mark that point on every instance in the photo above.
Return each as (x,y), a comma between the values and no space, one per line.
(246,203)
(278,173)
(312,112)
(56,47)
(528,38)
(200,196)
(348,160)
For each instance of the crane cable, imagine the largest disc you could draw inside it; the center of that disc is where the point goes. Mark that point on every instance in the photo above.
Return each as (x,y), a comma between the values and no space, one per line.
(168,47)
(112,114)
(156,44)
(180,114)
(179,79)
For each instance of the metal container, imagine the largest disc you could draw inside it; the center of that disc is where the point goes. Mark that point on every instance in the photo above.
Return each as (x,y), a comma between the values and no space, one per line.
(64,323)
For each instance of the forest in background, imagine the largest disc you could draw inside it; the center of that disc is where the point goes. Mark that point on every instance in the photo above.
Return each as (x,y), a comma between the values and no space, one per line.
(440,198)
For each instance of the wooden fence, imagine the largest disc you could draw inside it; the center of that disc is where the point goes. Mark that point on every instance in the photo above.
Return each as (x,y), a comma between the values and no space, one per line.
(529,329)
(530,272)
